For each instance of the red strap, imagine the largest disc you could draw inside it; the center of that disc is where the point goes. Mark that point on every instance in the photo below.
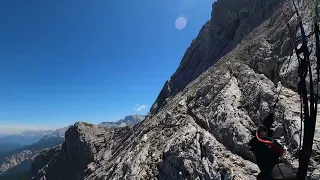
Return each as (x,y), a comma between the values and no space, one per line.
(261,140)
(274,146)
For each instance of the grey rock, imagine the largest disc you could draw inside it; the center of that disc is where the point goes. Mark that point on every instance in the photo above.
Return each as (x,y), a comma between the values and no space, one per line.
(16,159)
(316,173)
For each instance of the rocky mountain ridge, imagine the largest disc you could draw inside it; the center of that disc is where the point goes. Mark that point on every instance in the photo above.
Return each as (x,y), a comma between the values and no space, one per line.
(130,120)
(201,123)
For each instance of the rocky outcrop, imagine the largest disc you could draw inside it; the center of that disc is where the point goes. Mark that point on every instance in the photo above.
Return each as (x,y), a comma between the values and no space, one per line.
(16,159)
(84,145)
(201,123)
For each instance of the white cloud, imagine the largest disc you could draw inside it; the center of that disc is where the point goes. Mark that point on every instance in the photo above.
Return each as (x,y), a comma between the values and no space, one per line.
(19,128)
(139,107)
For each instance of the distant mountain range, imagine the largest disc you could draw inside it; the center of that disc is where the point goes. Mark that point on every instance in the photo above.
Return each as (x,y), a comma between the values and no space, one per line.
(18,160)
(25,138)
(127,121)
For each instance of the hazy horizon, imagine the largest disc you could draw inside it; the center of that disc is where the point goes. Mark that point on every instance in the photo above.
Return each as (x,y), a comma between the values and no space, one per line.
(18,128)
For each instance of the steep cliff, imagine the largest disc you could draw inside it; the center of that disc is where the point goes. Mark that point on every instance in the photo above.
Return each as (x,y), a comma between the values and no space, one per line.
(199,127)
(230,23)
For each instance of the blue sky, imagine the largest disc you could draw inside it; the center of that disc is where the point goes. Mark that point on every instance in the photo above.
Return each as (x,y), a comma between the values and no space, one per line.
(64,61)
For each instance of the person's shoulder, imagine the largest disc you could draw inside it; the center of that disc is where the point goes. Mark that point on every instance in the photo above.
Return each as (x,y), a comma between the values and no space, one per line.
(253,141)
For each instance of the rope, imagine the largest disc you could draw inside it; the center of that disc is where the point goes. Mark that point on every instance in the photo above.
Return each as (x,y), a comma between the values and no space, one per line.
(292,35)
(281,172)
(301,124)
(316,31)
(293,41)
(294,44)
(281,89)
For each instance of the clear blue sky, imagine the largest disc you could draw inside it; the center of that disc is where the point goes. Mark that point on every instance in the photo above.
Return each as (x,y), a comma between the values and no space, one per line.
(64,61)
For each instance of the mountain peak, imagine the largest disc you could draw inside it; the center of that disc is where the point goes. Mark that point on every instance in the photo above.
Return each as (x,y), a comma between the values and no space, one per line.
(129,120)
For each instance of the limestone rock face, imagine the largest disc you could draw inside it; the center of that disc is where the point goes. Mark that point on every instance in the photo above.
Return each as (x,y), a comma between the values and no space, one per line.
(84,145)
(201,123)
(230,22)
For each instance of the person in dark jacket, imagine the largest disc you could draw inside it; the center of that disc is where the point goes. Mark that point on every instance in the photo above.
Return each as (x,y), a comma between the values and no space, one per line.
(267,152)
